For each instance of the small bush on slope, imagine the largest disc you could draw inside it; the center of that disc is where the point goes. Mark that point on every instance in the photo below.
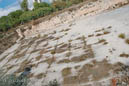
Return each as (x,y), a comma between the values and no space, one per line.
(24,5)
(40,5)
(122,35)
(127,41)
(53,83)
(11,80)
(59,5)
(11,20)
(31,15)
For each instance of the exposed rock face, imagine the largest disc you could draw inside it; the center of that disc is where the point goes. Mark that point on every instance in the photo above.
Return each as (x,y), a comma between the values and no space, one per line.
(20,33)
(85,9)
(78,53)
(22,29)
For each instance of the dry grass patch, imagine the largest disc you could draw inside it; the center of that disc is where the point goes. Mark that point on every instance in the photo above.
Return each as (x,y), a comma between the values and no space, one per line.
(124,55)
(38,36)
(36,65)
(83,57)
(63,45)
(105,43)
(79,58)
(76,47)
(49,61)
(50,38)
(60,50)
(122,36)
(88,54)
(53,51)
(64,61)
(106,32)
(3,58)
(109,27)
(36,50)
(66,71)
(68,54)
(23,47)
(54,32)
(23,65)
(38,57)
(99,30)
(32,41)
(45,38)
(91,35)
(71,81)
(99,34)
(127,41)
(99,71)
(117,68)
(66,34)
(17,56)
(101,41)
(40,41)
(31,75)
(65,30)
(78,38)
(10,67)
(44,51)
(40,76)
(77,67)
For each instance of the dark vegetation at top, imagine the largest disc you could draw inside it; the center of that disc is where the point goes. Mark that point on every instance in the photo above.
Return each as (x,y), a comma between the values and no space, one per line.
(25,15)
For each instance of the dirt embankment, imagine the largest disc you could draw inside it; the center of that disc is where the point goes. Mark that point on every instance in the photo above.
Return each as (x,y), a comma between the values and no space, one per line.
(8,40)
(68,16)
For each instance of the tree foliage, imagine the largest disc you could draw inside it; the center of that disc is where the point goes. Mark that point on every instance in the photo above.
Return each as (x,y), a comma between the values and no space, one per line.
(40,5)
(59,5)
(11,20)
(40,9)
(24,5)
(31,15)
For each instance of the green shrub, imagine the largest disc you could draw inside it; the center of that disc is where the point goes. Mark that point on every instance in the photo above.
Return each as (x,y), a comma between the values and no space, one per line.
(4,23)
(30,15)
(10,21)
(53,83)
(24,5)
(43,11)
(40,5)
(15,14)
(4,27)
(11,80)
(75,1)
(14,18)
(122,35)
(59,5)
(1,35)
(27,16)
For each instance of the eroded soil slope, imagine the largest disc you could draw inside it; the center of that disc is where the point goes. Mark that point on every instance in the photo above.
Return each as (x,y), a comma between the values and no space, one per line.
(85,52)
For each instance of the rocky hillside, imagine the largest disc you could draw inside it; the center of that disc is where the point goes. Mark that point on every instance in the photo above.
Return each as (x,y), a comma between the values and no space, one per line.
(84,50)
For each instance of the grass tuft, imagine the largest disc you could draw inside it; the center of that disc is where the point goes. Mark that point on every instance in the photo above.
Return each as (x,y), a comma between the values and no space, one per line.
(127,41)
(106,32)
(122,35)
(66,71)
(124,55)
